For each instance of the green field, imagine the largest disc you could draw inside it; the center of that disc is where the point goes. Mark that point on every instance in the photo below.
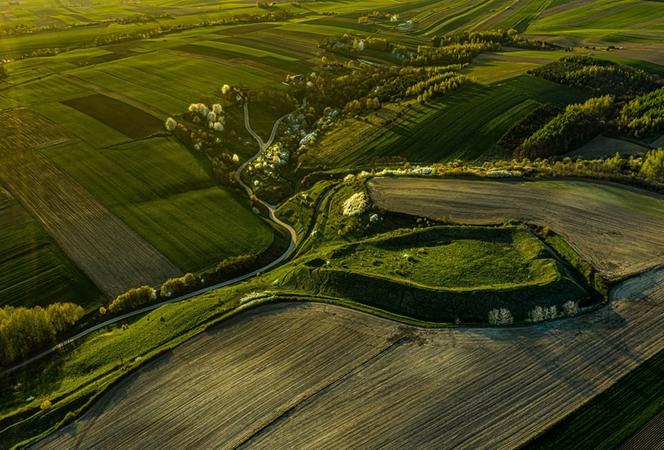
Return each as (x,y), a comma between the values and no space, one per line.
(368,86)
(164,193)
(33,269)
(455,258)
(465,125)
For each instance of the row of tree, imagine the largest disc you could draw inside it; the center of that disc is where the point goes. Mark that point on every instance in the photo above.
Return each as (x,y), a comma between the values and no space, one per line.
(570,129)
(135,298)
(644,115)
(24,331)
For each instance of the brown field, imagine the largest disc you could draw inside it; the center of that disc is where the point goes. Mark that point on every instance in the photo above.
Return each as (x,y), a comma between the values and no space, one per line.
(128,120)
(651,436)
(618,229)
(112,255)
(315,376)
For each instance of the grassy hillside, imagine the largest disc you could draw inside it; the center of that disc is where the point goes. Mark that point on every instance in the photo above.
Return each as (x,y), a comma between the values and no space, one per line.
(464,125)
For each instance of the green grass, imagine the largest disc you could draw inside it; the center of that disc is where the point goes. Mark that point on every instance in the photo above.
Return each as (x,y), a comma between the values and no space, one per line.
(613,416)
(164,193)
(606,20)
(455,258)
(465,273)
(33,269)
(464,125)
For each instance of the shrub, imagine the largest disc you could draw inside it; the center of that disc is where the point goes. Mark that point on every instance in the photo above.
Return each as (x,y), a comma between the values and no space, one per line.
(132,299)
(180,285)
(551,312)
(46,404)
(232,267)
(171,124)
(536,315)
(653,166)
(501,316)
(570,308)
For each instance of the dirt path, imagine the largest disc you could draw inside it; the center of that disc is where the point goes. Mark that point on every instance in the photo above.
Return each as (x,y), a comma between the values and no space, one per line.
(619,229)
(316,376)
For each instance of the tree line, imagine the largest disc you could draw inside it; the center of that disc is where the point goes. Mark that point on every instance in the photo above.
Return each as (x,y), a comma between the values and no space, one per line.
(24,331)
(599,77)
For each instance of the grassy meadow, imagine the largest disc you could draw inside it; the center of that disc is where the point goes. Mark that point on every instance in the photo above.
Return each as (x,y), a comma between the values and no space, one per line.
(456,258)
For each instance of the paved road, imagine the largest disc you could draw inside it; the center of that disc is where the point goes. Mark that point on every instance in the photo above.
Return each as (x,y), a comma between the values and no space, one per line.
(271,209)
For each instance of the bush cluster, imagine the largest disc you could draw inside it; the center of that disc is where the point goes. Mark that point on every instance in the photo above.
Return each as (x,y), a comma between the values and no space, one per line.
(26,330)
(132,299)
(178,286)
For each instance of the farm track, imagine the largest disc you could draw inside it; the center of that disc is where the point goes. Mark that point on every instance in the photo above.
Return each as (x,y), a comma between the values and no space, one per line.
(110,253)
(317,376)
(613,233)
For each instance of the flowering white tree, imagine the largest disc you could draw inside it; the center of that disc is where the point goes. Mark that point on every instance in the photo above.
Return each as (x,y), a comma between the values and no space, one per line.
(571,308)
(171,124)
(356,204)
(236,158)
(551,312)
(225,89)
(212,117)
(501,316)
(536,315)
(217,109)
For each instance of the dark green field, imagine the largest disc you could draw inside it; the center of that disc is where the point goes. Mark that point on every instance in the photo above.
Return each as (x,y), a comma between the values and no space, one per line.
(615,415)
